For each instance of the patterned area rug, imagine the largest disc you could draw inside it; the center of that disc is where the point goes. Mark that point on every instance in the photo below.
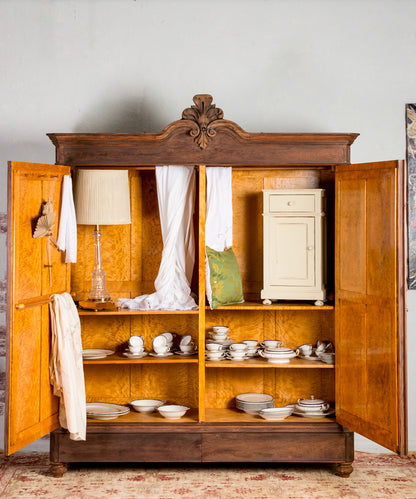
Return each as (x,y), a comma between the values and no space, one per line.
(374,476)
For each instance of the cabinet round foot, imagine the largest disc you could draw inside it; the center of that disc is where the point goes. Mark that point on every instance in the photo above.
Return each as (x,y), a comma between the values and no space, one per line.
(344,470)
(319,303)
(57,470)
(267,302)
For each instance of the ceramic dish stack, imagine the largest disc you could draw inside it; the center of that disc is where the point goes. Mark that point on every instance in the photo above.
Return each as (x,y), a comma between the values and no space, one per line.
(96,353)
(214,351)
(252,403)
(252,348)
(104,411)
(187,347)
(277,355)
(162,344)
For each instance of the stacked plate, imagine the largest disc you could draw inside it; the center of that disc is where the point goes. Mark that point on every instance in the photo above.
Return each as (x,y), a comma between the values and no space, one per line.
(104,411)
(251,403)
(96,353)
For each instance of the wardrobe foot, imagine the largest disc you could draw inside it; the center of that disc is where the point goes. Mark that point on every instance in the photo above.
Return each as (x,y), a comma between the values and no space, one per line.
(344,470)
(57,470)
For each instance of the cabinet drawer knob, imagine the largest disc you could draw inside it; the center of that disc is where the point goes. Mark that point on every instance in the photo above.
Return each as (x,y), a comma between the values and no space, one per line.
(290,203)
(309,248)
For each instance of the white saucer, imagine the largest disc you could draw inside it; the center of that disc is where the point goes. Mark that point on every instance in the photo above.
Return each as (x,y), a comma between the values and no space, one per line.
(134,355)
(185,354)
(169,354)
(308,357)
(314,415)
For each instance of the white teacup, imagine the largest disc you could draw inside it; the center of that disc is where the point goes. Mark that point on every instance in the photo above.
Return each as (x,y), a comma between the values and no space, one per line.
(160,344)
(238,347)
(218,336)
(220,329)
(136,350)
(305,350)
(214,355)
(190,347)
(251,344)
(213,347)
(236,354)
(271,343)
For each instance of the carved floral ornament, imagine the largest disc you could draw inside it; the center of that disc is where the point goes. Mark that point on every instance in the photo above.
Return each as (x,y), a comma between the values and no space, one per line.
(203,114)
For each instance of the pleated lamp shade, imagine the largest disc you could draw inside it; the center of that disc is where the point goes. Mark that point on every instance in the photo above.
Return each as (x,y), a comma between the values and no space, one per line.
(102,197)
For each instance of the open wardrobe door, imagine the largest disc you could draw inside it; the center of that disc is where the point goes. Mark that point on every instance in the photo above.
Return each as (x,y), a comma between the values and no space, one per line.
(36,270)
(370,302)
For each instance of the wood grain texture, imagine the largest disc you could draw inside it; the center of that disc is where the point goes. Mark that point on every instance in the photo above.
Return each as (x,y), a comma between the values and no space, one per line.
(367,301)
(31,409)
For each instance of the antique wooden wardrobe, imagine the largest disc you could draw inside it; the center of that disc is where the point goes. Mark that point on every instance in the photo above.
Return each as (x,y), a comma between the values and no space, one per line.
(364,316)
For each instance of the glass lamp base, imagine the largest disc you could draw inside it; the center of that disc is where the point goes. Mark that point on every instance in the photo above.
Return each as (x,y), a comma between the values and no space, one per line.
(99,289)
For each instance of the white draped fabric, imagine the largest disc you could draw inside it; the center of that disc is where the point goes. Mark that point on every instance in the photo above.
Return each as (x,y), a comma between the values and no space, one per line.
(219,215)
(176,198)
(67,237)
(66,369)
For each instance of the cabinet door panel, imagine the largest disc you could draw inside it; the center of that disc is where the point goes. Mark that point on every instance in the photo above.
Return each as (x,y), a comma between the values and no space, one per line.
(31,409)
(370,265)
(292,255)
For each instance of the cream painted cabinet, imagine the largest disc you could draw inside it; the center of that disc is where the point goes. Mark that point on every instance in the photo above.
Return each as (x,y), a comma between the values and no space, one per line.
(294,242)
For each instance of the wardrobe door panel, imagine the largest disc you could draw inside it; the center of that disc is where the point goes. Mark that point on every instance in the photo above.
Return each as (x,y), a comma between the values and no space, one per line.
(35,271)
(370,365)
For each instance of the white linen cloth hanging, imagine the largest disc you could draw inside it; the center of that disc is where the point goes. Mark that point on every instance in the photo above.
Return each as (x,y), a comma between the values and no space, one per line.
(219,214)
(65,367)
(176,197)
(67,237)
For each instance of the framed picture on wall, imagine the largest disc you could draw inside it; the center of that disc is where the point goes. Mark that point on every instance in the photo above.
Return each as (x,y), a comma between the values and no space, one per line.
(411,186)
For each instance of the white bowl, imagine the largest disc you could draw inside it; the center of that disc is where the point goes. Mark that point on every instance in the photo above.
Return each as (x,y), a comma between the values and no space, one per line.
(146,406)
(172,411)
(276,413)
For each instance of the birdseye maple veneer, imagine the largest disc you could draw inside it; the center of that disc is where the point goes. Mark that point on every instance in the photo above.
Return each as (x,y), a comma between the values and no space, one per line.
(364,318)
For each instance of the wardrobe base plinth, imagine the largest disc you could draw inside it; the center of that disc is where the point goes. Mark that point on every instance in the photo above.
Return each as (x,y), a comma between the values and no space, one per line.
(327,443)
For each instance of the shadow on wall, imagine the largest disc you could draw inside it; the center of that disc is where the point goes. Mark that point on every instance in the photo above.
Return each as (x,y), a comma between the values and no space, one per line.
(141,115)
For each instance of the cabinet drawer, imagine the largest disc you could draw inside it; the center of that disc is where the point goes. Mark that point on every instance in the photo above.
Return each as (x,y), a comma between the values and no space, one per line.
(292,203)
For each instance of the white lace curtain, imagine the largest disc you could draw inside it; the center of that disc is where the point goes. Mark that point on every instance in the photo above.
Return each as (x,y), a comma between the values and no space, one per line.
(176,198)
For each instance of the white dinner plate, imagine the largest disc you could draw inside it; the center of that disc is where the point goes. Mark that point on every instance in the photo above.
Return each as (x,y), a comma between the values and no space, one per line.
(96,353)
(105,411)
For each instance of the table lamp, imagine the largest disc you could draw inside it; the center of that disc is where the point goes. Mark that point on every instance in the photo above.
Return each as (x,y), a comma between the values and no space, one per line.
(101,198)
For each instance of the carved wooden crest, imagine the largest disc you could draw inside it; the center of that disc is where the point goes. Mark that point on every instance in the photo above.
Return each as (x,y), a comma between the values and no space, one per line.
(203,114)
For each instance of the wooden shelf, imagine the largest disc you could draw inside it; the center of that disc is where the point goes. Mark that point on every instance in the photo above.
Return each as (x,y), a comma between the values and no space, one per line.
(236,416)
(121,359)
(126,311)
(286,305)
(294,363)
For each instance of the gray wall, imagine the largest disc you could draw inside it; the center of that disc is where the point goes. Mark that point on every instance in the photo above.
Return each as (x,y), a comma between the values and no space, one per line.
(133,66)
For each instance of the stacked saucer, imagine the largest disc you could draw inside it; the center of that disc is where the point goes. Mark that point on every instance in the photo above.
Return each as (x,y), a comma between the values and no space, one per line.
(104,411)
(252,403)
(95,353)
(252,347)
(214,351)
